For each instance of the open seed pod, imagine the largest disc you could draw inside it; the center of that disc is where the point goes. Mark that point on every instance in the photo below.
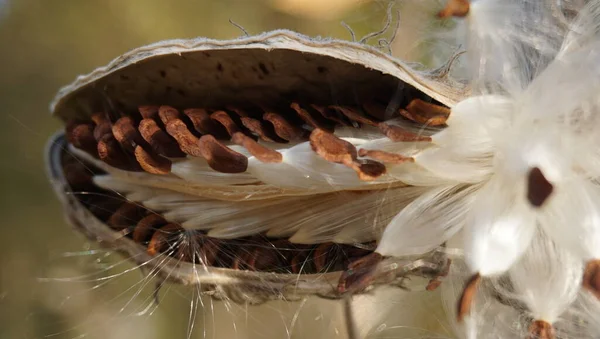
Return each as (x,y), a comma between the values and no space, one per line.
(262,167)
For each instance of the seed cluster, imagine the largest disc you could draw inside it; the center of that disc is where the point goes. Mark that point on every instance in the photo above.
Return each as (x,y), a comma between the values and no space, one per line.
(150,140)
(150,229)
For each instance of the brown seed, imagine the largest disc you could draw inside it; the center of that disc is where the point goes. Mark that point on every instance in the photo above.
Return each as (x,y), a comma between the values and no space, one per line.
(368,170)
(457,8)
(225,120)
(397,133)
(126,216)
(315,121)
(325,255)
(81,136)
(283,128)
(167,113)
(208,250)
(332,115)
(126,133)
(591,277)
(259,151)
(378,111)
(385,157)
(146,227)
(110,151)
(468,295)
(203,123)
(78,176)
(353,115)
(426,113)
(159,140)
(359,274)
(332,148)
(220,157)
(264,131)
(99,118)
(187,142)
(152,162)
(436,282)
(148,112)
(102,129)
(161,238)
(539,188)
(540,329)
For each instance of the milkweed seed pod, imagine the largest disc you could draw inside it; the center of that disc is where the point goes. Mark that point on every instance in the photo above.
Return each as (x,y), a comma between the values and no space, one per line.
(263,167)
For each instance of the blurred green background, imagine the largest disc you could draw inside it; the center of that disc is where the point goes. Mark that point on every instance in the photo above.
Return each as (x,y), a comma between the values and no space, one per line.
(52,281)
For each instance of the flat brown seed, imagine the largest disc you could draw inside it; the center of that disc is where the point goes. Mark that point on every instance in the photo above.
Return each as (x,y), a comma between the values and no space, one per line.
(146,227)
(208,249)
(203,123)
(260,128)
(99,118)
(220,157)
(457,8)
(102,129)
(324,255)
(332,115)
(398,134)
(110,151)
(591,277)
(369,170)
(159,140)
(260,152)
(332,148)
(359,274)
(353,115)
(540,329)
(187,142)
(385,157)
(539,188)
(316,121)
(467,297)
(167,113)
(126,133)
(426,113)
(152,162)
(283,128)
(125,216)
(148,112)
(224,119)
(81,136)
(159,241)
(378,111)
(436,282)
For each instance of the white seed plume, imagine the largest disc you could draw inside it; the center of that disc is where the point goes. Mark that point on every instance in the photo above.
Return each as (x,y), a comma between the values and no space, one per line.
(520,156)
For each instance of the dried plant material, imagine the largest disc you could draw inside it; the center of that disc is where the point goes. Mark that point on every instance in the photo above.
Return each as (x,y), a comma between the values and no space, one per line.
(261,153)
(151,162)
(385,157)
(235,163)
(467,297)
(591,277)
(396,133)
(360,274)
(159,140)
(540,329)
(426,113)
(457,8)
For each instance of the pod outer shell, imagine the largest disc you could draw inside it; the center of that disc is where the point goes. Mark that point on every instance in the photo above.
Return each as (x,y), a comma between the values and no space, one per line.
(272,66)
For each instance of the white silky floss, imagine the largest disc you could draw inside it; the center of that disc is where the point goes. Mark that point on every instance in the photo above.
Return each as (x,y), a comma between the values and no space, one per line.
(520,158)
